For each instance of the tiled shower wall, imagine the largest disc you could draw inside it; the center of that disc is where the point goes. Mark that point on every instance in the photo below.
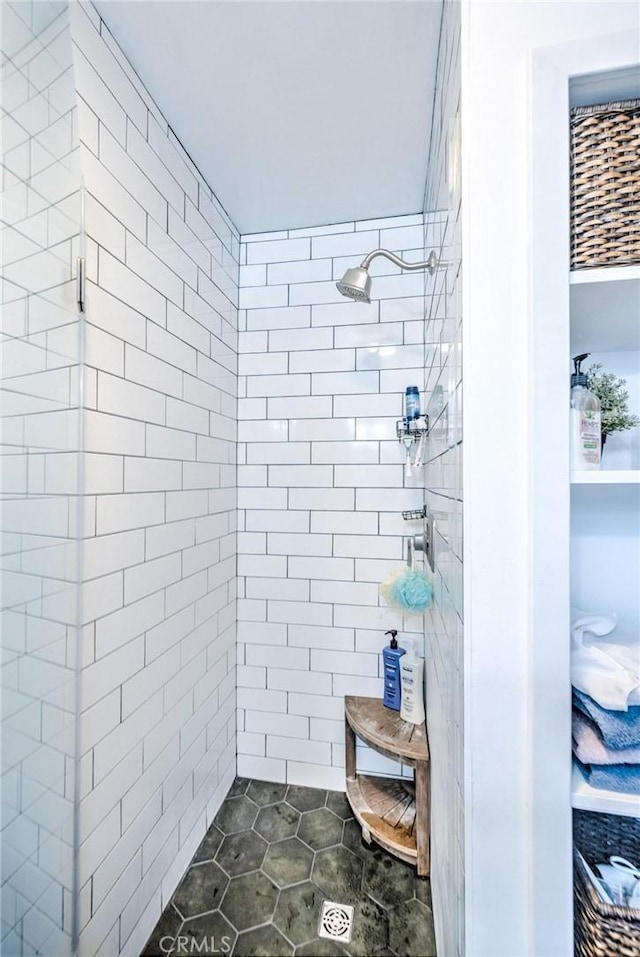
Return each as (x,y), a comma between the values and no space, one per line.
(39,407)
(321,487)
(158,676)
(444,494)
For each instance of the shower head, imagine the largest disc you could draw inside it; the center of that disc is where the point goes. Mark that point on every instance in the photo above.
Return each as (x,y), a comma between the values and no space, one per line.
(356,284)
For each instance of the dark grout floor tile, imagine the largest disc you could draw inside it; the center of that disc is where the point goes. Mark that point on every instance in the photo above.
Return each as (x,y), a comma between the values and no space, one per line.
(320,828)
(305,799)
(209,846)
(239,787)
(264,792)
(236,814)
(168,926)
(241,853)
(201,890)
(262,942)
(298,912)
(352,838)
(411,932)
(422,887)
(337,802)
(321,947)
(370,935)
(262,895)
(209,935)
(288,862)
(277,822)
(338,873)
(250,900)
(387,880)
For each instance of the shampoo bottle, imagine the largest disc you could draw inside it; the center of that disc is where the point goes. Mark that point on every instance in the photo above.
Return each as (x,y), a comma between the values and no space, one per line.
(412,687)
(412,403)
(586,442)
(391,658)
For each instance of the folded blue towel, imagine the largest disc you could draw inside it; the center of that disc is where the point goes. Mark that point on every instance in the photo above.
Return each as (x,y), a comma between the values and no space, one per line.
(615,777)
(619,729)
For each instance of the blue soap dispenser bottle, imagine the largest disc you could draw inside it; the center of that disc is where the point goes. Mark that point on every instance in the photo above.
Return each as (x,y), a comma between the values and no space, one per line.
(391,657)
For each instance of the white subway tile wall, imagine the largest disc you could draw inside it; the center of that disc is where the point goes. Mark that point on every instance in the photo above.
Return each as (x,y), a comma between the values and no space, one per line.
(321,488)
(159,642)
(173,297)
(40,337)
(444,497)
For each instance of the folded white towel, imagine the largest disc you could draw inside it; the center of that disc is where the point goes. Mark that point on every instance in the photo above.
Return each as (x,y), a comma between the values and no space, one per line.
(608,671)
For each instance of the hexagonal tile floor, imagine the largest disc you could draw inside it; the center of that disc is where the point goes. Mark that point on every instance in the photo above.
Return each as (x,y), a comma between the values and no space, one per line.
(273,854)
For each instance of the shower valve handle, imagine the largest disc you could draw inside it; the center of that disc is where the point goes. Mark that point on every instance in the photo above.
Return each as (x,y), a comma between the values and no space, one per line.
(415,543)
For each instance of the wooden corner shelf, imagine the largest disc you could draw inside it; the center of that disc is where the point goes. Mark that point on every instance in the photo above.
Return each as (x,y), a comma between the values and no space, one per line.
(391,811)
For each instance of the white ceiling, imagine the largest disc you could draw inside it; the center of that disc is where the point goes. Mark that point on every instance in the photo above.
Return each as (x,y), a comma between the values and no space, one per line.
(297,113)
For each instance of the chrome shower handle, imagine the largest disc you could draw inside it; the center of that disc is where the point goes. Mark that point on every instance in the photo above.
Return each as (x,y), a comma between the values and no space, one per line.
(410,552)
(415,543)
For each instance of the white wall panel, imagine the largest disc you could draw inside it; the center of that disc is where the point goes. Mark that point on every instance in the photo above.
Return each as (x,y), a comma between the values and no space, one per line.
(309,454)
(442,335)
(163,316)
(40,446)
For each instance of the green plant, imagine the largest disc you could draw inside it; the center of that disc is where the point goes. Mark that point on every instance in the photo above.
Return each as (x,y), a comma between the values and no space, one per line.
(613,400)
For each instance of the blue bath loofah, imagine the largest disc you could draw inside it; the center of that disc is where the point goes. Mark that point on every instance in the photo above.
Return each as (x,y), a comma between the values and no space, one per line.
(408,590)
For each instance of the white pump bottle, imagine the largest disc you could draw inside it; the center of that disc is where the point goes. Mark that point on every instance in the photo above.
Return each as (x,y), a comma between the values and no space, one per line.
(412,684)
(586,443)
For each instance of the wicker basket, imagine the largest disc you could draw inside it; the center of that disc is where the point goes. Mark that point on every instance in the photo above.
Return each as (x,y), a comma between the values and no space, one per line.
(605,184)
(603,930)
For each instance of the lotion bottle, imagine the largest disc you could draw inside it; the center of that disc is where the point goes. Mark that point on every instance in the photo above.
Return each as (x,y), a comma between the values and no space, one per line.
(391,657)
(586,441)
(412,686)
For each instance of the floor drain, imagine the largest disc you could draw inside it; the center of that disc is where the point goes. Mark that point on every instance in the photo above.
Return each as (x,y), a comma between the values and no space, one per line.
(336,921)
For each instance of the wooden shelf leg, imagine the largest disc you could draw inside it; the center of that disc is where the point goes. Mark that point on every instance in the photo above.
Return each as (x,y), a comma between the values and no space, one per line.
(423,817)
(350,751)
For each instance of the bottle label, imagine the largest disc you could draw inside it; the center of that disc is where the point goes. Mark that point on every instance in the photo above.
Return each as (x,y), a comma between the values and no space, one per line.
(590,436)
(585,439)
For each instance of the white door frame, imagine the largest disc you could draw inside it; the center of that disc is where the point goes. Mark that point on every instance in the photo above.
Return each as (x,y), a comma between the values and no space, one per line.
(550,847)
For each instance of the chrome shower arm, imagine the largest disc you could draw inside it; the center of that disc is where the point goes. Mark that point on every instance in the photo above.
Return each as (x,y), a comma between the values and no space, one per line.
(356,282)
(430,264)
